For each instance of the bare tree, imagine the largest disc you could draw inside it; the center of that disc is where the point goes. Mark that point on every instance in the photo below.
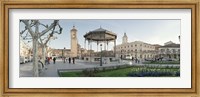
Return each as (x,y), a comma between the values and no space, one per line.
(43,44)
(36,35)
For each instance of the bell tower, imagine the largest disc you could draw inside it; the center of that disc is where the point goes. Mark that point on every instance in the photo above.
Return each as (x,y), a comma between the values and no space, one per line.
(74,42)
(124,39)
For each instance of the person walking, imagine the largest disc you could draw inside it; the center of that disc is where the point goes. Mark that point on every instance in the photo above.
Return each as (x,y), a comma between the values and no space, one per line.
(73,60)
(54,60)
(132,60)
(48,60)
(69,60)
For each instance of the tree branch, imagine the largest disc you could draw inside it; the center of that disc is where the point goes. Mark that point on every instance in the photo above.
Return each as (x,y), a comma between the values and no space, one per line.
(28,26)
(47,40)
(49,28)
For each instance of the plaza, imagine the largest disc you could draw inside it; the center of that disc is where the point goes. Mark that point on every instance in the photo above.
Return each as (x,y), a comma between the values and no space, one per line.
(99,49)
(51,69)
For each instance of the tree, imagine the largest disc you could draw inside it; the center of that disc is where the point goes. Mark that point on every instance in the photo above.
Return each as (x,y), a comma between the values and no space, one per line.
(43,45)
(36,35)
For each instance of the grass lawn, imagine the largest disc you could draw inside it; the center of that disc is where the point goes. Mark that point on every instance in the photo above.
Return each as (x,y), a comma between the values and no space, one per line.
(117,72)
(70,74)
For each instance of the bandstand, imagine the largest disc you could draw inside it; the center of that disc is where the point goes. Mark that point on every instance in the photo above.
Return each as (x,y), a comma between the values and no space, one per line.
(101,37)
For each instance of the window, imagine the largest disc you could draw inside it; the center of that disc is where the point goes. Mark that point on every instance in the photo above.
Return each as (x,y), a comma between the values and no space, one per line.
(175,56)
(136,50)
(162,50)
(140,44)
(136,45)
(173,50)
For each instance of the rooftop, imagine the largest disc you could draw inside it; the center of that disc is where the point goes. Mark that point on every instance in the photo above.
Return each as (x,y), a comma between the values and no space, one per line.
(171,45)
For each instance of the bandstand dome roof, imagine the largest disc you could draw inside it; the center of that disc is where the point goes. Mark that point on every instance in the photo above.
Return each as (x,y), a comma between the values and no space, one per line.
(100,34)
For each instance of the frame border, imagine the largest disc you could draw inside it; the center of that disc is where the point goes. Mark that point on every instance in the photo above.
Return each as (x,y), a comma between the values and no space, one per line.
(110,4)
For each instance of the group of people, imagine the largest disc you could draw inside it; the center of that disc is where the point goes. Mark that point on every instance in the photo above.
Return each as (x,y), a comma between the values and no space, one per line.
(136,60)
(47,61)
(71,59)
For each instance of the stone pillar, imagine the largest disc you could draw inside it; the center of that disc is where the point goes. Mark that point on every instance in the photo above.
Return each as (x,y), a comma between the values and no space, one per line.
(97,45)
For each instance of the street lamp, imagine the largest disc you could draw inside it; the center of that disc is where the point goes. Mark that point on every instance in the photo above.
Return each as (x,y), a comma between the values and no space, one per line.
(101,55)
(63,55)
(121,54)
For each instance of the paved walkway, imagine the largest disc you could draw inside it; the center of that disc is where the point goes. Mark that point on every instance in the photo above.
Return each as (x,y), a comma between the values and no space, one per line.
(51,69)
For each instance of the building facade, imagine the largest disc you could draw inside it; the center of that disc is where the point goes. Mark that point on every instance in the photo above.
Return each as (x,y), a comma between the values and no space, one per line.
(170,51)
(137,49)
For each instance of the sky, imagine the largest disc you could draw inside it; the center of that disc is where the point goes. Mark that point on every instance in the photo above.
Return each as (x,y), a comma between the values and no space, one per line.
(146,30)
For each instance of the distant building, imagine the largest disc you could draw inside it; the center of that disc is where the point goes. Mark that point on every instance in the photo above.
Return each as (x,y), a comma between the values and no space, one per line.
(25,49)
(61,52)
(137,49)
(170,51)
(169,42)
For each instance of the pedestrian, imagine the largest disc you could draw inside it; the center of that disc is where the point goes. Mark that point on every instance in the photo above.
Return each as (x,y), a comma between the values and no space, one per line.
(49,60)
(54,60)
(46,61)
(73,60)
(69,60)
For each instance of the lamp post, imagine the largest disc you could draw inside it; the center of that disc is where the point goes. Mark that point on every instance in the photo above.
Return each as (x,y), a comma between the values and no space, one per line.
(63,55)
(121,54)
(101,55)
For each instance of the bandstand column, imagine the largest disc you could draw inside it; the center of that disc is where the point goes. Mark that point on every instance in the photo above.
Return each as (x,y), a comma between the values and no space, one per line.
(89,47)
(97,45)
(107,45)
(115,48)
(105,54)
(85,44)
